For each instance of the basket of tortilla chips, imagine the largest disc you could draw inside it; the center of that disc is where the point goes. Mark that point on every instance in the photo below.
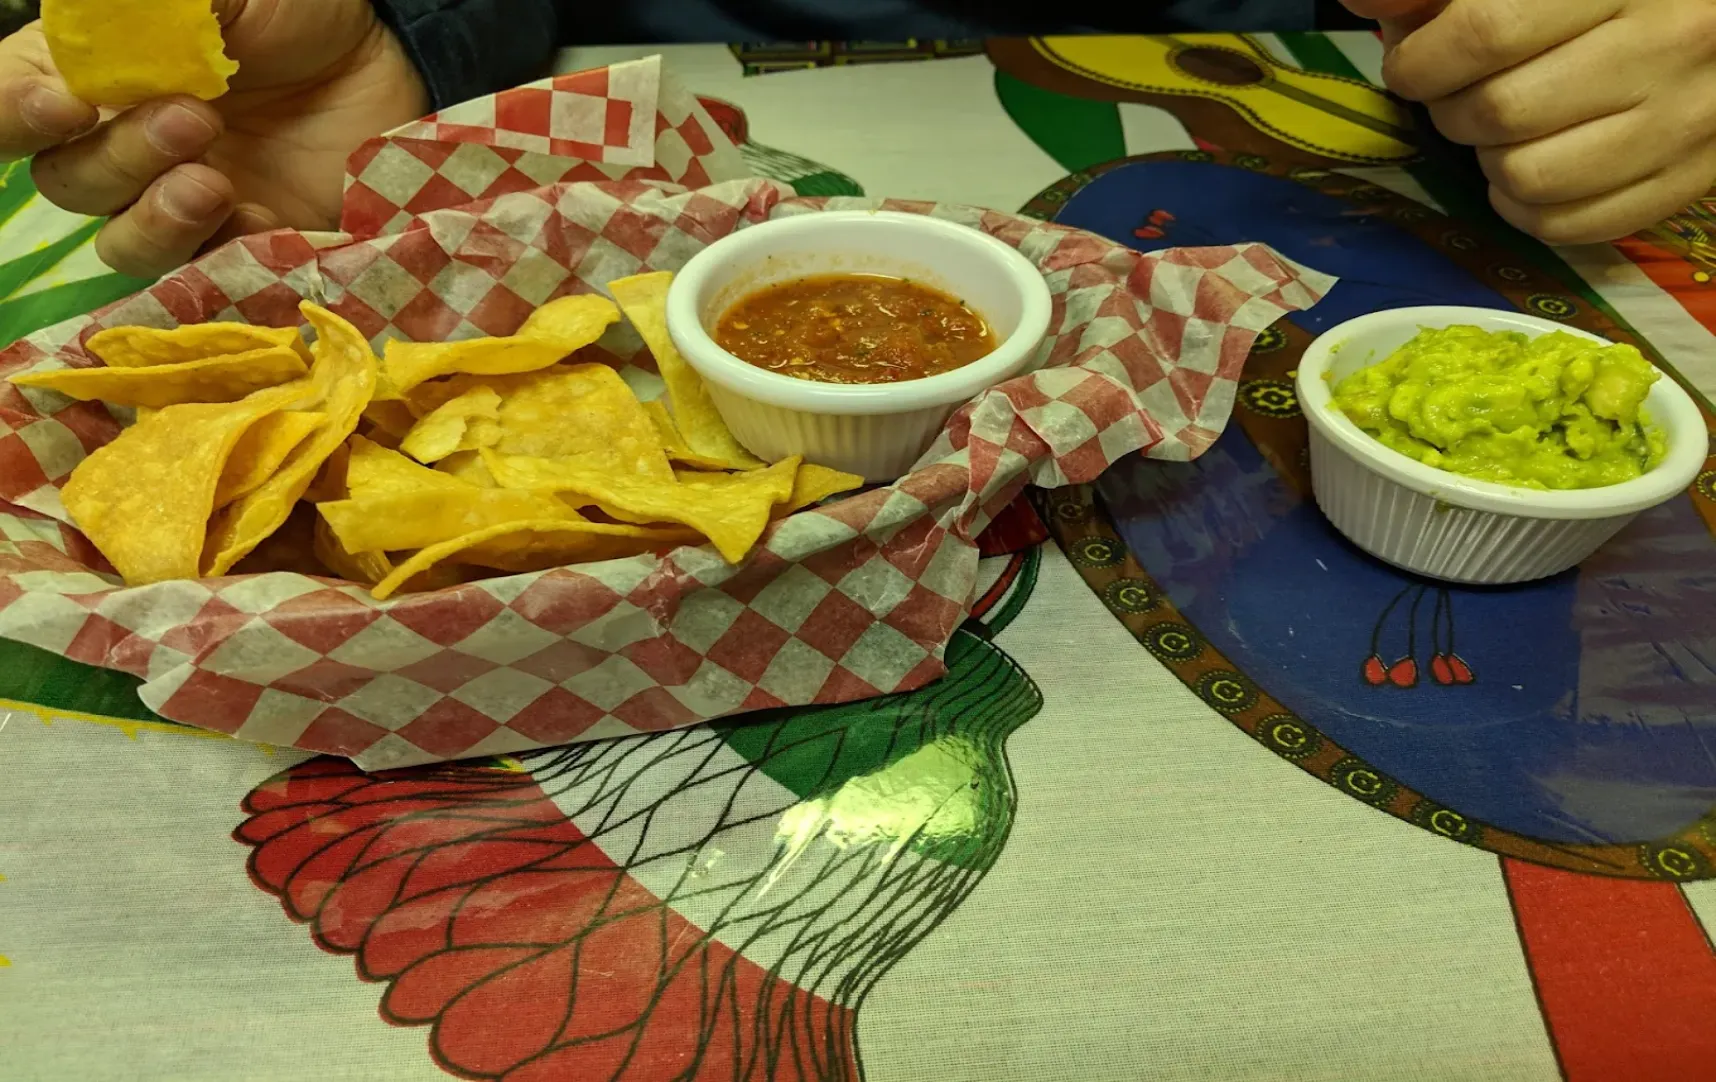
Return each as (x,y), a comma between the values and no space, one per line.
(296,486)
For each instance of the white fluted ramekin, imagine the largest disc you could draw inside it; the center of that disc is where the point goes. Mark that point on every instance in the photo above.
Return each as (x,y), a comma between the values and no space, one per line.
(1454,528)
(878,430)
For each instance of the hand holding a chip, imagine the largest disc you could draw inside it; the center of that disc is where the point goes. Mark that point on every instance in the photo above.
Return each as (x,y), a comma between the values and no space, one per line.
(314,79)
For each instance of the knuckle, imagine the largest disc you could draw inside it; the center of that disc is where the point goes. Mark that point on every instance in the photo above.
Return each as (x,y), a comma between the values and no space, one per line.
(1695,27)
(1493,29)
(1523,176)
(1500,110)
(1560,231)
(1398,73)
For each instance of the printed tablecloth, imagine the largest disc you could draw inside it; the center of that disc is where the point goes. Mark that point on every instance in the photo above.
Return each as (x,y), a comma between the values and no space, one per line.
(1162,820)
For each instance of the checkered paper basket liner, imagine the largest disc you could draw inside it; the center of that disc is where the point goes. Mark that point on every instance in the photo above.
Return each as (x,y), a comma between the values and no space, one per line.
(849,600)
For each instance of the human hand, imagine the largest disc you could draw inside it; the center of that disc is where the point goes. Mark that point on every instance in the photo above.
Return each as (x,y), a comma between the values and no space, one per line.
(1592,118)
(317,78)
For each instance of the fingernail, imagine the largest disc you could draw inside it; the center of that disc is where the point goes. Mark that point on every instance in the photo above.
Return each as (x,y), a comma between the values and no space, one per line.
(54,114)
(179,131)
(190,200)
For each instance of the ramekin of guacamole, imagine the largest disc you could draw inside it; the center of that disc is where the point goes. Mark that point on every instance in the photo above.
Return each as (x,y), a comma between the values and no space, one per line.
(1553,412)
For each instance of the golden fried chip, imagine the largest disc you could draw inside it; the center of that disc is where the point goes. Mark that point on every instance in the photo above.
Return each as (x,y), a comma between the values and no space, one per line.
(214,379)
(330,482)
(539,548)
(553,331)
(344,375)
(374,471)
(816,483)
(584,412)
(291,548)
(531,546)
(674,443)
(121,54)
(143,347)
(812,485)
(467,466)
(643,298)
(731,512)
(145,499)
(393,419)
(449,428)
(368,568)
(418,519)
(261,451)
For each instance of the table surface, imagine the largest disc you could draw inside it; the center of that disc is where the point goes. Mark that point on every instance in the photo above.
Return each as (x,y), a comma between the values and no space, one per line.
(1207,795)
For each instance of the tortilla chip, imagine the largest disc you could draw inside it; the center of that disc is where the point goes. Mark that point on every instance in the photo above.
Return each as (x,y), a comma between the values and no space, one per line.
(584,412)
(213,379)
(424,517)
(812,485)
(426,398)
(674,443)
(467,466)
(553,331)
(145,499)
(531,546)
(368,568)
(373,471)
(261,451)
(122,54)
(643,298)
(144,347)
(732,512)
(330,482)
(344,375)
(394,419)
(816,483)
(450,427)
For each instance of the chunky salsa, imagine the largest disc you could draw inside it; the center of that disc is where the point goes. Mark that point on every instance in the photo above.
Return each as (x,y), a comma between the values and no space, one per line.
(854,328)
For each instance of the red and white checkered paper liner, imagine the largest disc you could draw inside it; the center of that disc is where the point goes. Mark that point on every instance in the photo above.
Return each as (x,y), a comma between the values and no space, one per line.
(842,602)
(626,121)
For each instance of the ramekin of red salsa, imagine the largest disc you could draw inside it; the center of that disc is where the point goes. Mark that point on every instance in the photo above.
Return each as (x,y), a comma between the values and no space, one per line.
(850,336)
(854,328)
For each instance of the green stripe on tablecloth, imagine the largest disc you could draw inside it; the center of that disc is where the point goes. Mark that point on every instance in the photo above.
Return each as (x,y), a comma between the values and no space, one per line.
(34,676)
(1315,52)
(1076,132)
(31,312)
(29,258)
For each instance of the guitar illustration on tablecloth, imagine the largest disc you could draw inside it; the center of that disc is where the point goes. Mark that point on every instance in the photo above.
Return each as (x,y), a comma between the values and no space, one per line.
(1227,89)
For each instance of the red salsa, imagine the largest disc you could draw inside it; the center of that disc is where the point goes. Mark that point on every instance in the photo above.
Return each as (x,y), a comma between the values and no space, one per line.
(854,328)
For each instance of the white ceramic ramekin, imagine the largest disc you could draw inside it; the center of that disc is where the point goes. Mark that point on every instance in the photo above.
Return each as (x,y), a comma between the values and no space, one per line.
(1450,527)
(877,431)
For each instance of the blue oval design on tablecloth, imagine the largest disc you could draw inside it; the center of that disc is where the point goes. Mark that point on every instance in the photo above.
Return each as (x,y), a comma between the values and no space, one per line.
(1590,713)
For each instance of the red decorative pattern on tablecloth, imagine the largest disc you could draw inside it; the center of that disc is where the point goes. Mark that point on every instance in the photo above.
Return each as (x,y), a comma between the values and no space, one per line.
(532,956)
(1625,974)
(859,597)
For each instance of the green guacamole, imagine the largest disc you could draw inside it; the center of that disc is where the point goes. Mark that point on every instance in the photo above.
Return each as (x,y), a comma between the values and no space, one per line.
(1555,412)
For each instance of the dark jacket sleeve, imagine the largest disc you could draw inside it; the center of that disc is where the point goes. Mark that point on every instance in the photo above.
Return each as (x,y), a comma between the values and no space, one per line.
(468,48)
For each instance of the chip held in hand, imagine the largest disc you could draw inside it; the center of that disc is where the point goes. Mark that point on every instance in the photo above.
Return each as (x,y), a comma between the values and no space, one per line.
(119,53)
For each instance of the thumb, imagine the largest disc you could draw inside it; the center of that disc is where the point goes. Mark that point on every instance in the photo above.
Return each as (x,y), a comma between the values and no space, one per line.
(36,109)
